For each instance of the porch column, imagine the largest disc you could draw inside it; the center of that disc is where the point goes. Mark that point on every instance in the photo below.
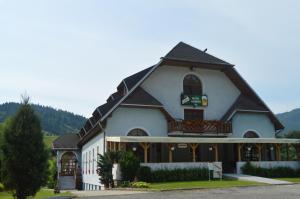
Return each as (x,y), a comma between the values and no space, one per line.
(239,147)
(145,147)
(278,146)
(170,147)
(115,146)
(287,152)
(215,146)
(194,147)
(259,146)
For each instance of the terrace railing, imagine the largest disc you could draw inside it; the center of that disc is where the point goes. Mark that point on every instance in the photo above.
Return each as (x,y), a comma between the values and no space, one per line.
(212,127)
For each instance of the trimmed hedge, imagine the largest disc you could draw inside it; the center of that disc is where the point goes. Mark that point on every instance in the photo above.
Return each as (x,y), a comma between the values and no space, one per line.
(164,175)
(276,172)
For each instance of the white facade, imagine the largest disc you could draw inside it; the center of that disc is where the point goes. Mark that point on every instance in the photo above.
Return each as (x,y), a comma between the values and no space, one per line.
(152,121)
(89,153)
(166,85)
(258,122)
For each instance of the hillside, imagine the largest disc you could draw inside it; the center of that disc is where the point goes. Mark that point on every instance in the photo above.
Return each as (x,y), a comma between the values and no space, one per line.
(53,121)
(291,120)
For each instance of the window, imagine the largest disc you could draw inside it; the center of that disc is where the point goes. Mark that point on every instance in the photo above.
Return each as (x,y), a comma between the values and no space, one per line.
(137,132)
(93,161)
(97,152)
(89,162)
(251,134)
(192,85)
(193,114)
(86,162)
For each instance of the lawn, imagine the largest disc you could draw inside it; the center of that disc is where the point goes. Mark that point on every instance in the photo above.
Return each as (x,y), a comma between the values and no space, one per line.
(225,183)
(44,193)
(294,180)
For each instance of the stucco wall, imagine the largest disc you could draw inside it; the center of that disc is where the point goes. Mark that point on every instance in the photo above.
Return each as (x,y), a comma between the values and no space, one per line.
(166,85)
(125,119)
(89,176)
(257,122)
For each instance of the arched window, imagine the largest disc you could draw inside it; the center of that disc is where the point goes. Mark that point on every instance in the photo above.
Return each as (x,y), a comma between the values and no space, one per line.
(192,85)
(251,134)
(137,132)
(68,163)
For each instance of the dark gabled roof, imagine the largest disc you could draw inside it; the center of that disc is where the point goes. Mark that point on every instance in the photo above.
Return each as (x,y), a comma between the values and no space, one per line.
(68,141)
(247,91)
(185,52)
(132,80)
(244,103)
(141,97)
(181,55)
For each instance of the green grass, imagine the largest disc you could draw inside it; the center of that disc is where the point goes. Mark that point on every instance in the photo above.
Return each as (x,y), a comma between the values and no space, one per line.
(294,180)
(225,183)
(44,193)
(48,140)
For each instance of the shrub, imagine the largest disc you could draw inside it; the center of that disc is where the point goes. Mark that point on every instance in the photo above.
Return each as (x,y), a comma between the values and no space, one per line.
(144,174)
(104,167)
(275,172)
(1,187)
(165,175)
(129,164)
(140,185)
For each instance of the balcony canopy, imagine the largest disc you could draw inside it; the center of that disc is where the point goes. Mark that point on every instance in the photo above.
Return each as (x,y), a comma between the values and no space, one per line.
(149,139)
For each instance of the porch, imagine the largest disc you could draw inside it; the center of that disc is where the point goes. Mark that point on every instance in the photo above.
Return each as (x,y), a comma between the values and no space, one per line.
(229,151)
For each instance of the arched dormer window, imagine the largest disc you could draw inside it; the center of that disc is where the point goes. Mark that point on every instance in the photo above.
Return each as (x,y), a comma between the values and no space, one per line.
(137,132)
(251,134)
(192,85)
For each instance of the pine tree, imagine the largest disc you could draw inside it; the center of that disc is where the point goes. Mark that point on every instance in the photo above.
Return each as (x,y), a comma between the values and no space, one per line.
(25,157)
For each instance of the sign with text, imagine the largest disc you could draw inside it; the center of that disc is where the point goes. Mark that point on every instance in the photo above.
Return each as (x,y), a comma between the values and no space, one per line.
(194,100)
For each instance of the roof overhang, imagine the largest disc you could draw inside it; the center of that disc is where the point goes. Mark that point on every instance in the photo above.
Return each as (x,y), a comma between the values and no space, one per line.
(139,139)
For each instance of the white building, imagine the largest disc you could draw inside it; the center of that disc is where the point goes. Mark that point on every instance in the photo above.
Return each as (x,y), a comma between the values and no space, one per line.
(189,109)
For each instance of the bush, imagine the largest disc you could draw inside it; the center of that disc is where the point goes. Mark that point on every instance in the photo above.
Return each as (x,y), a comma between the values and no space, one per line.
(144,174)
(1,187)
(276,172)
(140,185)
(180,175)
(129,164)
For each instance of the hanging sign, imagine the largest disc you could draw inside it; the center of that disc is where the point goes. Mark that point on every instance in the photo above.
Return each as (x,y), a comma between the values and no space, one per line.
(194,100)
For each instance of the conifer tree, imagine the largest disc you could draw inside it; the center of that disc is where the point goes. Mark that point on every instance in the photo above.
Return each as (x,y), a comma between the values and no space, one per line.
(25,157)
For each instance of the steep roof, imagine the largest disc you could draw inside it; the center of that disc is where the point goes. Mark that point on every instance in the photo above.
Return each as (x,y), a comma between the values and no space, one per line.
(183,55)
(244,103)
(68,141)
(132,80)
(141,97)
(185,52)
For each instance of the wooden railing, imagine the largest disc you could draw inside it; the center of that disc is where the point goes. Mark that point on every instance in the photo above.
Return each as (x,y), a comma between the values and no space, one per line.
(200,127)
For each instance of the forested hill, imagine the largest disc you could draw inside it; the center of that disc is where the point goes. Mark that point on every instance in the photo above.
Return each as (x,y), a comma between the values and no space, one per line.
(291,120)
(53,121)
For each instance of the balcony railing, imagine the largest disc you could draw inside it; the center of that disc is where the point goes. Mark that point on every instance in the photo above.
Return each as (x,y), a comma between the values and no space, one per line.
(212,127)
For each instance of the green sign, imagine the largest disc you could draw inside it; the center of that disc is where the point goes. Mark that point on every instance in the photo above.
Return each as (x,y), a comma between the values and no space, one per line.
(194,100)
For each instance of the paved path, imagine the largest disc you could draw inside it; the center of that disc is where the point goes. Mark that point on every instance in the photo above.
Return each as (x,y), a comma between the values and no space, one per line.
(105,193)
(261,192)
(257,179)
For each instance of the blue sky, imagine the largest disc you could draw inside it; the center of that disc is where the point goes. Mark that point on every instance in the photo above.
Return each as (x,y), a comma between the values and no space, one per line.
(72,54)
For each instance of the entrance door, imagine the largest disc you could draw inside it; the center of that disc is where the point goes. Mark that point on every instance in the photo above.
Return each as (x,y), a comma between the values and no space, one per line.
(229,158)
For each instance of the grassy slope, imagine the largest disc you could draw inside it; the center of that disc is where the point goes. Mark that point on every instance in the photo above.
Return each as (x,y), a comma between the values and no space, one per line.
(48,140)
(226,183)
(44,193)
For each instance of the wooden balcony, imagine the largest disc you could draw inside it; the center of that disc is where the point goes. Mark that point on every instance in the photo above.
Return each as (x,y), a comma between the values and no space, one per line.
(199,127)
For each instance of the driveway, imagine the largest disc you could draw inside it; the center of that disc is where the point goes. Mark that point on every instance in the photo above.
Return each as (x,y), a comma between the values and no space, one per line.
(261,192)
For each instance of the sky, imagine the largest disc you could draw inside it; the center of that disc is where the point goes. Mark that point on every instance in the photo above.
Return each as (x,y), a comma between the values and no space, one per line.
(72,54)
